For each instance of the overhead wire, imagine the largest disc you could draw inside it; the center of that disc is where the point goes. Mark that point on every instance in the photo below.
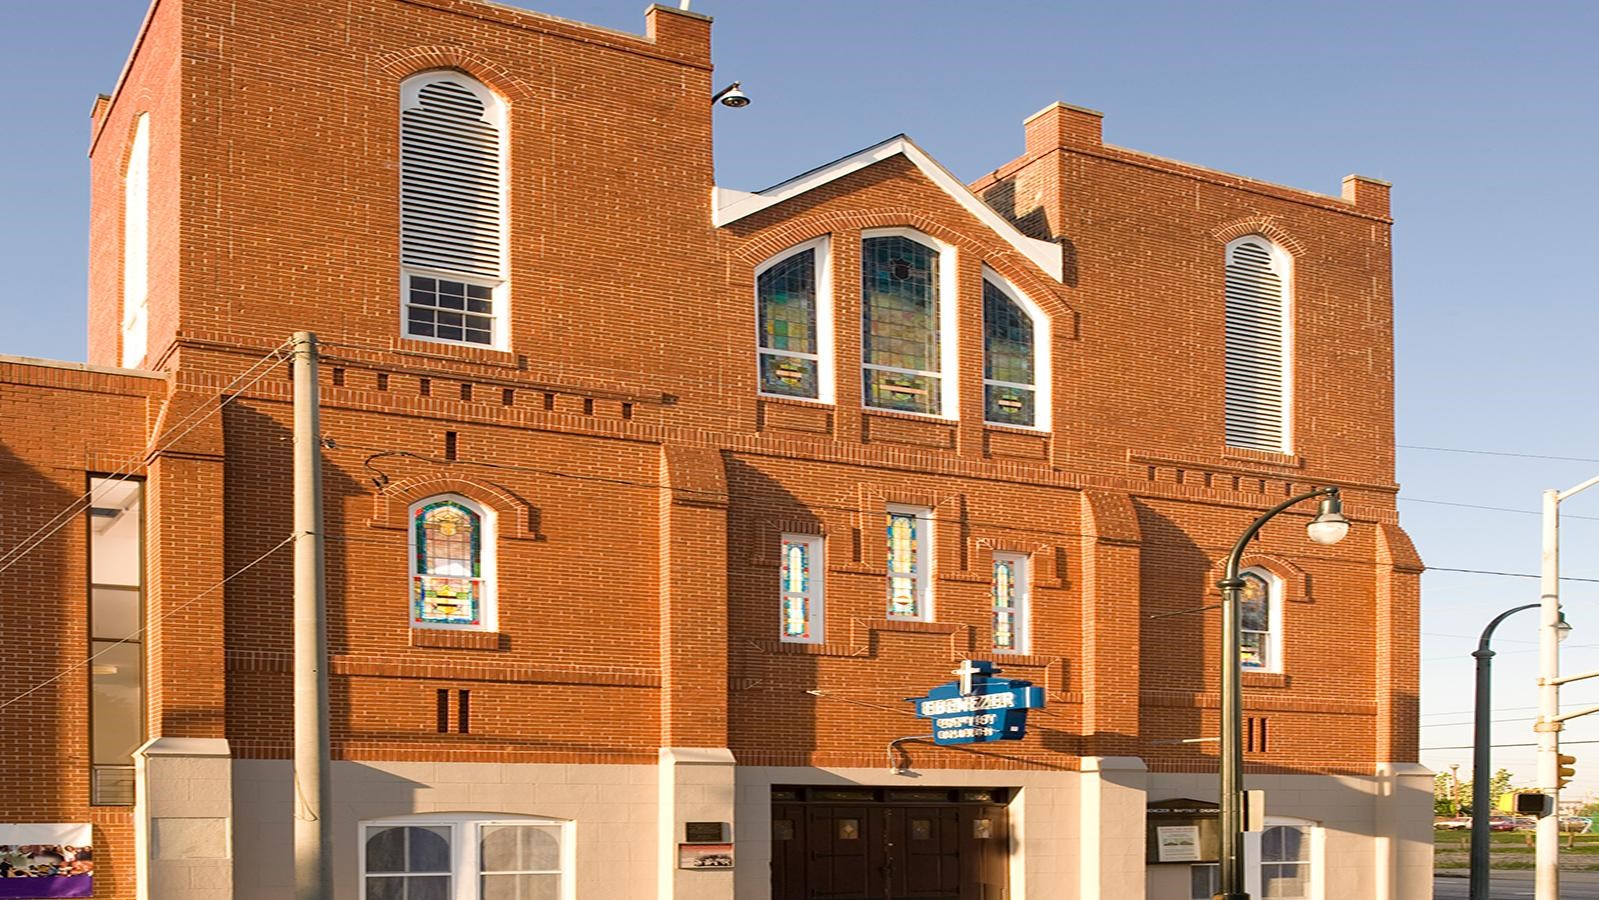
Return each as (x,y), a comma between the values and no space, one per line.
(142,629)
(124,472)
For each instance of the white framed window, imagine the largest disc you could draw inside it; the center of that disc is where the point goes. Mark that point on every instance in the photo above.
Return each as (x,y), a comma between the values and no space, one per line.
(794,322)
(1283,862)
(1016,356)
(910,554)
(467,856)
(801,603)
(908,335)
(136,247)
(453,211)
(1260,620)
(452,564)
(1259,339)
(1012,601)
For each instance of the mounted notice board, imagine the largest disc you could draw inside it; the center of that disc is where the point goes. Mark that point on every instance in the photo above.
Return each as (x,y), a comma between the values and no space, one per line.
(1181,830)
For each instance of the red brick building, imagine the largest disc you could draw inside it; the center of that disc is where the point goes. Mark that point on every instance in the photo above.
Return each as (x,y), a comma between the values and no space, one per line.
(648,501)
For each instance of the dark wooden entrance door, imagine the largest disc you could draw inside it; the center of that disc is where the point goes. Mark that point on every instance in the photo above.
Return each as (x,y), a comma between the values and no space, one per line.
(885,851)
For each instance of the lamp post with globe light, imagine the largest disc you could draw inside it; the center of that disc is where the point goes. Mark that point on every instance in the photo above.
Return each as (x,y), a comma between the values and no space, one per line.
(1327,527)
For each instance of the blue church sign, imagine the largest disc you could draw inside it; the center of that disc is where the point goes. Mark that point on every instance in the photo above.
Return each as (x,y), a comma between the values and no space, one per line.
(979,707)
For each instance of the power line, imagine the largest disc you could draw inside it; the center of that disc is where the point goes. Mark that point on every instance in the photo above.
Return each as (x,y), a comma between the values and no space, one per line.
(59,521)
(143,628)
(1490,721)
(1508,574)
(1498,453)
(1508,509)
(1501,746)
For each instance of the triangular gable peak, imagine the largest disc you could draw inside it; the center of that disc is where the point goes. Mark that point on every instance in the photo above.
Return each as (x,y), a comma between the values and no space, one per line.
(733,205)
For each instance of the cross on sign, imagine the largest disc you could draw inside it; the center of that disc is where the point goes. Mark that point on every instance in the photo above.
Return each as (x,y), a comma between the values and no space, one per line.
(965,673)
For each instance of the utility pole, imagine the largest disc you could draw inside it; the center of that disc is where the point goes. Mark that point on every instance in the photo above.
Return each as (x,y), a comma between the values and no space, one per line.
(1550,721)
(313,845)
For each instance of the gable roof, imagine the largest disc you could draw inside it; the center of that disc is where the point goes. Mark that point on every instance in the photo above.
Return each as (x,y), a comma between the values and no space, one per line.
(733,205)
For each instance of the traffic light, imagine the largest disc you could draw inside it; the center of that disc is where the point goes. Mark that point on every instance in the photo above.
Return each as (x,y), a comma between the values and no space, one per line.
(1568,768)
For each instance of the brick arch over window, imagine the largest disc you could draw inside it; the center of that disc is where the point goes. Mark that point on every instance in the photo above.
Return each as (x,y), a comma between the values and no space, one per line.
(1295,581)
(1007,262)
(390,505)
(1265,226)
(402,64)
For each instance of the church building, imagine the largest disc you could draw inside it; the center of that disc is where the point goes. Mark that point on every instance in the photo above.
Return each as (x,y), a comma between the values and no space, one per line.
(660,514)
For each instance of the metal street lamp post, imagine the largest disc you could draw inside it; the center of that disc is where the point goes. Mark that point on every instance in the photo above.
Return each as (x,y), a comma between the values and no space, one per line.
(1328,527)
(1481,773)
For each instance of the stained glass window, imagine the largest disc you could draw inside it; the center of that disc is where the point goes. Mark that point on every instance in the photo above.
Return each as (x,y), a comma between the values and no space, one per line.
(1255,615)
(900,325)
(790,340)
(908,542)
(1009,383)
(447,578)
(800,574)
(1009,593)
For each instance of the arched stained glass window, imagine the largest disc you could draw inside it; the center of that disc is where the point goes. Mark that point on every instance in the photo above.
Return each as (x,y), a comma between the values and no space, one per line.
(901,350)
(1009,369)
(449,588)
(790,336)
(1258,615)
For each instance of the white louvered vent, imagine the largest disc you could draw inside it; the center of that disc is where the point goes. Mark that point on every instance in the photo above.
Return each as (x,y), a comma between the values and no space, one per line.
(450,176)
(1256,343)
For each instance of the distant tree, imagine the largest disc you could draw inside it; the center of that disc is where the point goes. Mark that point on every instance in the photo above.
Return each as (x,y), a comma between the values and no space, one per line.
(1498,786)
(1443,795)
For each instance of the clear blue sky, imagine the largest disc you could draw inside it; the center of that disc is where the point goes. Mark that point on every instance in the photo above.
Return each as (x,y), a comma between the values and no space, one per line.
(1483,115)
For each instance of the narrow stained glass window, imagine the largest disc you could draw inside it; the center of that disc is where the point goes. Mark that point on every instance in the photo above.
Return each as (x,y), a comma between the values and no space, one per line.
(1009,382)
(448,575)
(790,342)
(907,563)
(1255,617)
(900,325)
(1009,592)
(800,576)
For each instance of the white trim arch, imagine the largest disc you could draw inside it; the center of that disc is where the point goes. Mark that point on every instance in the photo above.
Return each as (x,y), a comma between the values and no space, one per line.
(1043,360)
(824,357)
(946,327)
(1258,316)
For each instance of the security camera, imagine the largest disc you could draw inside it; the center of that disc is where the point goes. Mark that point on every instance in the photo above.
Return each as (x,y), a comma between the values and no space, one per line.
(731,96)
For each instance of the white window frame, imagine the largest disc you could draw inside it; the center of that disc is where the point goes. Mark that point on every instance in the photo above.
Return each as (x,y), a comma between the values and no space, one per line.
(815,597)
(922,573)
(1274,613)
(488,521)
(465,858)
(497,112)
(1021,566)
(1283,263)
(947,325)
(1254,882)
(1043,370)
(825,357)
(136,247)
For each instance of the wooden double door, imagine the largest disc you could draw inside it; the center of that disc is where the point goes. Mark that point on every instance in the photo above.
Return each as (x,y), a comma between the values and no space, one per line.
(888,851)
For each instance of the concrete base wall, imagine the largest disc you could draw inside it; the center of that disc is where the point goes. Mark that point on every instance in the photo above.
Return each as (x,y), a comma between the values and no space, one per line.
(614,808)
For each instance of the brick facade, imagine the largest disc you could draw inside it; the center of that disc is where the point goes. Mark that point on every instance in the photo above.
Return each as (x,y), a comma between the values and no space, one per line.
(639,481)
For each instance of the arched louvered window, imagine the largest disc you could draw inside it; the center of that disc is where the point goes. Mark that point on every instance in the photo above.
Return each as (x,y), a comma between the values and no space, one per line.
(1015,357)
(903,298)
(1258,345)
(136,246)
(452,209)
(795,323)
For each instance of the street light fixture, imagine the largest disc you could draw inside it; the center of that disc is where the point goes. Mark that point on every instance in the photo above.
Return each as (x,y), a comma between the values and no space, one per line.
(1481,770)
(1328,527)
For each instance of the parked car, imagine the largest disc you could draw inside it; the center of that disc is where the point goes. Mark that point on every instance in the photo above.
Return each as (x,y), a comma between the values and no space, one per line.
(1523,823)
(1575,824)
(1501,823)
(1458,823)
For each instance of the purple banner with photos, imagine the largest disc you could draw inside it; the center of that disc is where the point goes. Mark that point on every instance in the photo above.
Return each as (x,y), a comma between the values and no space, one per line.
(43,861)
